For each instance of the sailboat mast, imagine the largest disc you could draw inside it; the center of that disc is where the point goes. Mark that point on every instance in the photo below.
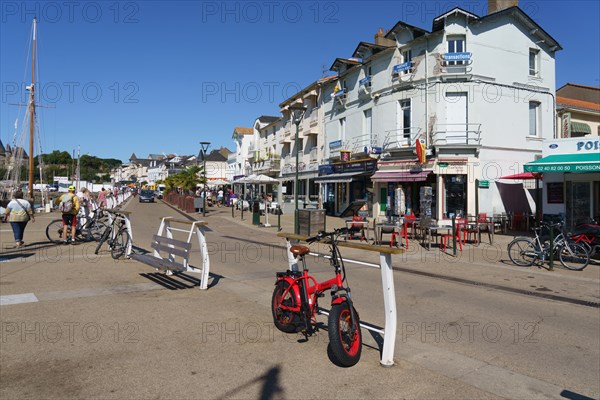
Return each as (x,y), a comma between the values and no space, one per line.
(32,109)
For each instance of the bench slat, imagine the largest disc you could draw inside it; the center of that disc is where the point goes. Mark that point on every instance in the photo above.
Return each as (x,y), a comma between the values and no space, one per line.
(158,263)
(171,250)
(174,242)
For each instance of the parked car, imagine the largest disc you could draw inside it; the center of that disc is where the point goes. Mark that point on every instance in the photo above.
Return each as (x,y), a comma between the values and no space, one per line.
(146,196)
(158,194)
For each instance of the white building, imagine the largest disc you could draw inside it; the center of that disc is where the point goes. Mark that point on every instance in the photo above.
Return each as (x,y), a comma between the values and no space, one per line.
(477,92)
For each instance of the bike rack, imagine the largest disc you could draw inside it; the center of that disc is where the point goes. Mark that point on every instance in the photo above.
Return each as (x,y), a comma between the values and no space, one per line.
(387,282)
(123,216)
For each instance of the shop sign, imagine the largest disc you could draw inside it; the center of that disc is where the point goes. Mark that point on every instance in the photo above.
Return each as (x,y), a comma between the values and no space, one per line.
(326,169)
(443,164)
(336,144)
(571,146)
(484,184)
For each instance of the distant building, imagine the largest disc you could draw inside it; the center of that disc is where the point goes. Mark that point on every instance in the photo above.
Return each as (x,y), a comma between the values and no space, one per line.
(577,111)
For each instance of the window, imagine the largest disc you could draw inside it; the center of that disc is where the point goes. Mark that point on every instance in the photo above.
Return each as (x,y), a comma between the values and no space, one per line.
(456,44)
(534,64)
(534,115)
(342,129)
(455,195)
(406,121)
(406,57)
(368,122)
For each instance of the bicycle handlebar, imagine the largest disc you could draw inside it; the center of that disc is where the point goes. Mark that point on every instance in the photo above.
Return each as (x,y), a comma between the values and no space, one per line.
(322,235)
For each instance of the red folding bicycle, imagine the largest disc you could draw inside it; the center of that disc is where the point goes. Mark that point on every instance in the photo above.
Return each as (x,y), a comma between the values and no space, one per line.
(295,302)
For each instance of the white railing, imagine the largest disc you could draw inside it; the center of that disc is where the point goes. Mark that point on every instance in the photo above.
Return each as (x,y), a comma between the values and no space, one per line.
(360,142)
(314,154)
(401,138)
(457,134)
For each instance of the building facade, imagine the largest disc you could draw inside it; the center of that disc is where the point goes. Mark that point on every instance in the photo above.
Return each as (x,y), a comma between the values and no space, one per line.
(439,112)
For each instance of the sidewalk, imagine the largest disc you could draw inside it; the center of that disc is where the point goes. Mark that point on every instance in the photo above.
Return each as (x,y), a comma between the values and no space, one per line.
(485,263)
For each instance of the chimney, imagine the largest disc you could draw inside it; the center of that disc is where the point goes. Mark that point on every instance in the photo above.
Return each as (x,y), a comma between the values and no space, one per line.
(380,39)
(499,5)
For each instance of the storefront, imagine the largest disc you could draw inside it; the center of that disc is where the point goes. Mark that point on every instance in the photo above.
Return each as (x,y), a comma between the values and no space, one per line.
(345,182)
(438,188)
(571,178)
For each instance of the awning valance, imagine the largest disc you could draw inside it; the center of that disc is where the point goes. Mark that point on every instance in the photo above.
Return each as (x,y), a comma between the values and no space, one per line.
(400,176)
(586,162)
(338,178)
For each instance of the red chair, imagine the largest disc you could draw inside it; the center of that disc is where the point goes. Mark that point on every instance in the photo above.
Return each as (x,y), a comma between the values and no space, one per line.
(459,227)
(358,227)
(410,219)
(403,233)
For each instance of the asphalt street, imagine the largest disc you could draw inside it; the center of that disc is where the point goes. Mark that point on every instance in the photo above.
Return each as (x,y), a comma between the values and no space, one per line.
(77,325)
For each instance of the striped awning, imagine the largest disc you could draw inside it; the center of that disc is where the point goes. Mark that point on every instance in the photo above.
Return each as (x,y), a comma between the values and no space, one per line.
(580,127)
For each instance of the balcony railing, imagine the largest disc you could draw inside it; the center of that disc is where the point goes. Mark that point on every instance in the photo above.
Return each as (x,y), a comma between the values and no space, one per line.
(457,134)
(401,138)
(457,63)
(314,155)
(359,143)
(314,117)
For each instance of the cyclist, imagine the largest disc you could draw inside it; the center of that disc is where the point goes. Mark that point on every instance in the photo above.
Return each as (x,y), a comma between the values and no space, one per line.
(68,204)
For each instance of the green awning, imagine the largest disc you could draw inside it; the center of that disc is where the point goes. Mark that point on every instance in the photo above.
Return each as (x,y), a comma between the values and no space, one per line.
(580,127)
(586,162)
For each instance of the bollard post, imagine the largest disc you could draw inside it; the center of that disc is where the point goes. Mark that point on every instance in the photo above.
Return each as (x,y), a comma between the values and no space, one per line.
(551,249)
(242,208)
(454,235)
(278,217)
(232,211)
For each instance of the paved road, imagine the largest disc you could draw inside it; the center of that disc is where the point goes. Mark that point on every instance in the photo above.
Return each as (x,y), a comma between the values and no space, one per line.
(467,329)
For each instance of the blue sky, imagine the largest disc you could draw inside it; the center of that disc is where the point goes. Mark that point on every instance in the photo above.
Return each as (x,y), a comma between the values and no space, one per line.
(157,76)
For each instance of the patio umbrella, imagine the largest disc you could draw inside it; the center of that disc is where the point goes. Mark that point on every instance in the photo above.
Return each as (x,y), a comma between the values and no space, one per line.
(262,179)
(523,175)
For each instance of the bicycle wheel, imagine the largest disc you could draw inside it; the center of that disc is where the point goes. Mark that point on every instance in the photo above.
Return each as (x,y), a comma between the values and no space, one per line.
(345,340)
(96,229)
(522,252)
(119,244)
(104,238)
(284,320)
(54,231)
(573,256)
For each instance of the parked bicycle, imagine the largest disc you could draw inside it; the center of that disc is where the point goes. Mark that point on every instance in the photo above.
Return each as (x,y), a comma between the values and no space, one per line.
(88,228)
(524,251)
(295,302)
(115,235)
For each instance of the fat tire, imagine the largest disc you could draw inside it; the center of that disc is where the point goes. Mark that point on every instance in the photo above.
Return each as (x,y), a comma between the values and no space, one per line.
(346,350)
(522,252)
(119,244)
(576,257)
(285,321)
(54,231)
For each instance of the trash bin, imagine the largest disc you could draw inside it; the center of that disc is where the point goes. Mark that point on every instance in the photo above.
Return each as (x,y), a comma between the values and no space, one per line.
(256,213)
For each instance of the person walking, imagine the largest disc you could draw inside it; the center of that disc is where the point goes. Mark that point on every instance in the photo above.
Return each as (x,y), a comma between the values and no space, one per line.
(102,198)
(19,213)
(68,205)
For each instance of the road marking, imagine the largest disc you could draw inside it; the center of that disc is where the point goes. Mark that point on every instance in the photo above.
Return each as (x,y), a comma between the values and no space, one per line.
(11,299)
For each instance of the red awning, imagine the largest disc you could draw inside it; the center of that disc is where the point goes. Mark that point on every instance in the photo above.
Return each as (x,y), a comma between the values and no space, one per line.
(523,175)
(400,176)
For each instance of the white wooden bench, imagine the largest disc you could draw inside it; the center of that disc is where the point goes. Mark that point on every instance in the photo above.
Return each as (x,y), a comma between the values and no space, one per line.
(172,255)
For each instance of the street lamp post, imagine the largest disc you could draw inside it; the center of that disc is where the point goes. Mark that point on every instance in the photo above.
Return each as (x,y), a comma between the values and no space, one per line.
(204,149)
(297,113)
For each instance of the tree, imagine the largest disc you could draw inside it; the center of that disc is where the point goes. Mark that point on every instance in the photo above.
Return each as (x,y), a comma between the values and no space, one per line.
(189,178)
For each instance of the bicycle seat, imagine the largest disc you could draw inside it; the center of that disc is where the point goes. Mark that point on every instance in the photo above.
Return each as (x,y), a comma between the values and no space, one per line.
(299,250)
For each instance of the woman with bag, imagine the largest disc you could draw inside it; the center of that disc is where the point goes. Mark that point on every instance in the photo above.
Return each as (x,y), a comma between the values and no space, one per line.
(18,213)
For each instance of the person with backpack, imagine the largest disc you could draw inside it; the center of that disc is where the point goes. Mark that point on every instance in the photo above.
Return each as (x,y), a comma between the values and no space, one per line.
(19,212)
(68,205)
